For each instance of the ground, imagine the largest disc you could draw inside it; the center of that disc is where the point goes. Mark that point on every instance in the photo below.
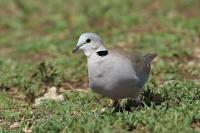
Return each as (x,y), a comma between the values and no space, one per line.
(36,39)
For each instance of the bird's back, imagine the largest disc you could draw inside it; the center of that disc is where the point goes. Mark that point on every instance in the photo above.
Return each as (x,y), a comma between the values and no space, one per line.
(140,64)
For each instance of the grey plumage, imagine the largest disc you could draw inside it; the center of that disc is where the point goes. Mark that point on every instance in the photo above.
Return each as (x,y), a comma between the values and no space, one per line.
(115,75)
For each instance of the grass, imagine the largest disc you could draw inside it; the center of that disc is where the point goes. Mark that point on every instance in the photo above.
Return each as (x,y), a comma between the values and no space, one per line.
(36,39)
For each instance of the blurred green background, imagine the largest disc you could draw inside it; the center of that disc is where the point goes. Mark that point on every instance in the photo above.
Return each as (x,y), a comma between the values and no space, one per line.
(36,39)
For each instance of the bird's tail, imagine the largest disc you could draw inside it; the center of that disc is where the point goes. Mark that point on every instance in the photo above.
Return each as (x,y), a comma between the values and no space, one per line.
(149,57)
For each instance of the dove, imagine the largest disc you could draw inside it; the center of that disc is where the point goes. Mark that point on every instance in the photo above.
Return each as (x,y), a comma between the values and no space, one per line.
(111,73)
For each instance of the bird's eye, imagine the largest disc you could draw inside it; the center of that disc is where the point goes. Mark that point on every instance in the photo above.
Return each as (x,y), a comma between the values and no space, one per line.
(88,40)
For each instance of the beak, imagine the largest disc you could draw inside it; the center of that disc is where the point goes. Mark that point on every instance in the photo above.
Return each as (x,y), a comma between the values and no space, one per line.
(75,49)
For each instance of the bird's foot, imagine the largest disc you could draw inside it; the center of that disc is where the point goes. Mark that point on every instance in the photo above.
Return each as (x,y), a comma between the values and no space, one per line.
(112,104)
(132,103)
(116,105)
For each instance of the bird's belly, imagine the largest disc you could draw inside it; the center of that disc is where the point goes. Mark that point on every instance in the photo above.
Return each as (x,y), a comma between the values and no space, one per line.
(113,80)
(115,88)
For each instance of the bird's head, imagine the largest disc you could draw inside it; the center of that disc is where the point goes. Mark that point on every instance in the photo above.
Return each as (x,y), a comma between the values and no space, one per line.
(89,43)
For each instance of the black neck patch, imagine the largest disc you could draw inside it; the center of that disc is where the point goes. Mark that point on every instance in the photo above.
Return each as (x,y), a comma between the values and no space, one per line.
(102,53)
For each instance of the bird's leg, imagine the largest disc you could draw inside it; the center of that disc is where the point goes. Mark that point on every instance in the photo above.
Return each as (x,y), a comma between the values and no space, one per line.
(138,101)
(129,102)
(112,104)
(115,103)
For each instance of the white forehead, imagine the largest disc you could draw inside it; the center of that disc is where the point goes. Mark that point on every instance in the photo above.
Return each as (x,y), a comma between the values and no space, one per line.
(91,36)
